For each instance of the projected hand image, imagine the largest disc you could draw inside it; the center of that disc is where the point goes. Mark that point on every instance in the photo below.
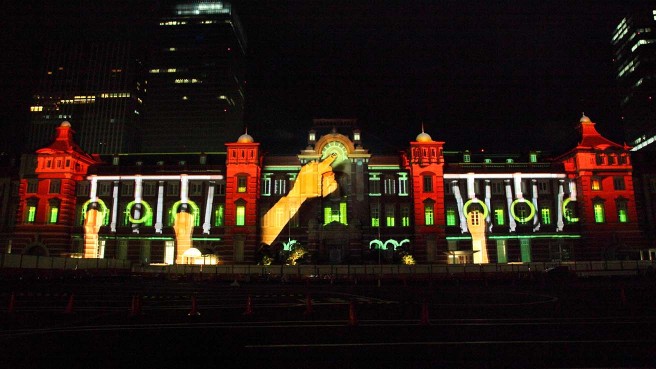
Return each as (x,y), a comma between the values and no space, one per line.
(313,180)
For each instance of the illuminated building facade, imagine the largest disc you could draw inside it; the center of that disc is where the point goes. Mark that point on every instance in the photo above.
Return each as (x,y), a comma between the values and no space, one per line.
(195,81)
(578,206)
(95,84)
(634,44)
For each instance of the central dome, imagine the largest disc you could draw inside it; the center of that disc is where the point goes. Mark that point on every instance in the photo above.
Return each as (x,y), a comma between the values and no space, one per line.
(245,138)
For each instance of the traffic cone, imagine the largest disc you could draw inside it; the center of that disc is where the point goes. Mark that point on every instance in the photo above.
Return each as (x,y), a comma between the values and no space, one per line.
(353,319)
(425,320)
(249,306)
(135,308)
(12,304)
(308,305)
(69,306)
(194,307)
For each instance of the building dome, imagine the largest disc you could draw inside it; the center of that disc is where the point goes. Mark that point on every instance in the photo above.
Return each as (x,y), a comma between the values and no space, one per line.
(424,137)
(245,138)
(584,119)
(65,124)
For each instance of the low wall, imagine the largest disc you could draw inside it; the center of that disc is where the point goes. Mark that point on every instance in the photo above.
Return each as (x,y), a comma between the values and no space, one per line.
(17,261)
(421,271)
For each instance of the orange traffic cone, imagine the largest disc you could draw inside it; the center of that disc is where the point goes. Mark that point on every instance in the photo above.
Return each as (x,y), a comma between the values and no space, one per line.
(353,319)
(425,320)
(12,304)
(135,308)
(249,306)
(194,307)
(69,306)
(308,305)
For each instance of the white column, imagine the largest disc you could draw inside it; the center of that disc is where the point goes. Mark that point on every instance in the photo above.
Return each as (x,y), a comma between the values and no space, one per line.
(93,193)
(509,199)
(160,207)
(114,207)
(536,218)
(137,200)
(208,209)
(488,196)
(471,193)
(572,190)
(184,189)
(461,213)
(517,178)
(561,194)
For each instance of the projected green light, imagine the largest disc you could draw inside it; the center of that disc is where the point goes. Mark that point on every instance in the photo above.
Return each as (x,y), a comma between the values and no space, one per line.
(147,215)
(481,203)
(99,201)
(530,215)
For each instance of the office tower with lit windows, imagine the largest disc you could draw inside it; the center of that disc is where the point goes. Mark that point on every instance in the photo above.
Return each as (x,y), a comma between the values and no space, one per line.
(634,43)
(194,96)
(94,84)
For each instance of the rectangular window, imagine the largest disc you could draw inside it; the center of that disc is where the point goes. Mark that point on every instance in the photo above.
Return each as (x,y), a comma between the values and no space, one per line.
(195,188)
(618,183)
(429,215)
(169,252)
(54,215)
(390,186)
(280,186)
(622,211)
(127,189)
(428,183)
(390,220)
(595,183)
(241,184)
(451,217)
(149,188)
(545,216)
(497,188)
(499,216)
(374,210)
(83,188)
(32,186)
(31,214)
(599,213)
(266,186)
(403,184)
(172,188)
(543,187)
(374,184)
(502,256)
(218,215)
(104,188)
(240,213)
(55,186)
(405,215)
(525,249)
(335,212)
(219,189)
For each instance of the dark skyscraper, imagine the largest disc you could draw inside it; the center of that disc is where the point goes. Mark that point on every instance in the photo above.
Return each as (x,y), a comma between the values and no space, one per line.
(93,84)
(634,43)
(194,91)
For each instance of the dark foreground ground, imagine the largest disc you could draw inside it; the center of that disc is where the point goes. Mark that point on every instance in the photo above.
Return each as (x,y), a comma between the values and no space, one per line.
(128,322)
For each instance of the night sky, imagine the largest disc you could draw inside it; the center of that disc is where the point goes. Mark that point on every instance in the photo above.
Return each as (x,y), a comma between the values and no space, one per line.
(502,76)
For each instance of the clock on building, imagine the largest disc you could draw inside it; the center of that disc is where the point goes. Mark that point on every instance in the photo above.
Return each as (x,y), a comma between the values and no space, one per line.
(335,147)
